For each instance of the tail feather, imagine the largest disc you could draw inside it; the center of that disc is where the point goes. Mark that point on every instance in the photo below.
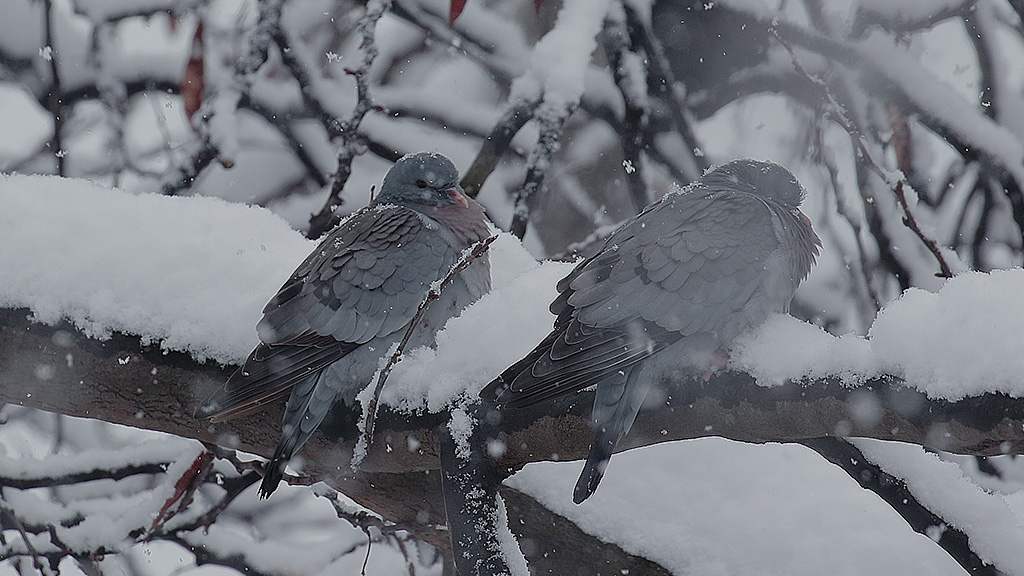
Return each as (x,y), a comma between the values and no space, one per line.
(616,404)
(274,471)
(309,403)
(597,461)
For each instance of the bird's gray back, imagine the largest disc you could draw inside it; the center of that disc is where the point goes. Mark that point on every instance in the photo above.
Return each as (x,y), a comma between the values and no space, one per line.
(692,263)
(365,280)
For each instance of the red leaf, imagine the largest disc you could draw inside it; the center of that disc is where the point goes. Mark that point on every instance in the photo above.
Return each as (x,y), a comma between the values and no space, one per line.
(193,84)
(454,10)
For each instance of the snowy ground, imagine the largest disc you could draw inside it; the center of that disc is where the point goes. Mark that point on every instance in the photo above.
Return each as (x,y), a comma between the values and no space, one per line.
(193,273)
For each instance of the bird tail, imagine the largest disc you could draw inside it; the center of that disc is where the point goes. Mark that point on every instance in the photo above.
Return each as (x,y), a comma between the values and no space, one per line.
(616,403)
(274,472)
(307,406)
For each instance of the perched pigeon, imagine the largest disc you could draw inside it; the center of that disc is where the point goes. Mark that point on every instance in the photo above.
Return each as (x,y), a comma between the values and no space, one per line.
(322,335)
(671,288)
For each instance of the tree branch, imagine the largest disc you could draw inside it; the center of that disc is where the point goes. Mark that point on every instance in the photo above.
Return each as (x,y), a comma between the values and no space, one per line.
(896,494)
(495,144)
(121,381)
(348,130)
(550,121)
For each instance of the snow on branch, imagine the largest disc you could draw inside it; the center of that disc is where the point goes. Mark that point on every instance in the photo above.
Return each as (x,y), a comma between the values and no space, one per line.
(217,133)
(496,143)
(555,76)
(109,312)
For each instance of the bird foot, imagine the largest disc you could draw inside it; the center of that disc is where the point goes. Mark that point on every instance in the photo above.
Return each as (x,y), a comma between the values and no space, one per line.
(719,361)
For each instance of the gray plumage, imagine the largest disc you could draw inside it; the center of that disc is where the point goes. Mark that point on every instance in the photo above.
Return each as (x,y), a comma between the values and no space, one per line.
(322,335)
(669,289)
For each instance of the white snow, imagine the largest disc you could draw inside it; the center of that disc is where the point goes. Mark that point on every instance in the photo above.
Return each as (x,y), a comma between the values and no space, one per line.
(907,12)
(960,341)
(25,125)
(992,521)
(510,550)
(559,60)
(717,507)
(931,96)
(190,273)
(488,337)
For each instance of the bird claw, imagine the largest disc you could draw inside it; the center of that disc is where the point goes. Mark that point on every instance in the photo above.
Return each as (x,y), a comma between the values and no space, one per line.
(719,361)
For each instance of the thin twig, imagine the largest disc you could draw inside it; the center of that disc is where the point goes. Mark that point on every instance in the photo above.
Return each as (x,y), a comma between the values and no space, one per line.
(622,54)
(468,256)
(299,71)
(204,153)
(550,122)
(234,487)
(896,184)
(843,210)
(207,150)
(184,488)
(348,130)
(54,93)
(363,519)
(660,76)
(288,132)
(496,143)
(37,558)
(26,483)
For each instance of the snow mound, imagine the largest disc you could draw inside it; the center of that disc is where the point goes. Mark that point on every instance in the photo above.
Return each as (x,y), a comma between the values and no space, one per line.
(194,273)
(190,273)
(717,507)
(960,341)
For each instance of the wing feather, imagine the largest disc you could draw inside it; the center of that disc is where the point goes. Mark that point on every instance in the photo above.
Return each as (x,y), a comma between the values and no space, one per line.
(688,270)
(345,293)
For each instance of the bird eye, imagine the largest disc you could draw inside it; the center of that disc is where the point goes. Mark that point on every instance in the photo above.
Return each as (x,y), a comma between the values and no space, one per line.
(421,183)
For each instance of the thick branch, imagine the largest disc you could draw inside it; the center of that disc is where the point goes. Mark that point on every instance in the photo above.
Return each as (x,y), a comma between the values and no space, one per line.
(896,494)
(123,382)
(120,381)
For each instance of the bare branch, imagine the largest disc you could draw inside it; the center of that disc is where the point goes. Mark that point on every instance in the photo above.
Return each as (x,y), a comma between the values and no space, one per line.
(204,152)
(660,76)
(37,558)
(896,183)
(550,120)
(54,92)
(626,61)
(855,228)
(495,144)
(348,130)
(897,494)
(41,481)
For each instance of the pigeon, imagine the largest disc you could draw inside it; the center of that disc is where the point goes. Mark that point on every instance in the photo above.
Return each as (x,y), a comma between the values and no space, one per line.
(670,289)
(322,335)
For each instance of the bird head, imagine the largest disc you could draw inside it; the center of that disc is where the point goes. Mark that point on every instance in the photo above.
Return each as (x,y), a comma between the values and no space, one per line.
(779,190)
(764,179)
(422,178)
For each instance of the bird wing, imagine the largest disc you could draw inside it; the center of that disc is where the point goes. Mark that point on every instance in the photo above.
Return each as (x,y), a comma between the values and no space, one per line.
(365,279)
(688,265)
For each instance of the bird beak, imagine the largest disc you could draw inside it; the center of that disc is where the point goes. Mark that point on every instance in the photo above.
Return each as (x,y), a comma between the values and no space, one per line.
(456,194)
